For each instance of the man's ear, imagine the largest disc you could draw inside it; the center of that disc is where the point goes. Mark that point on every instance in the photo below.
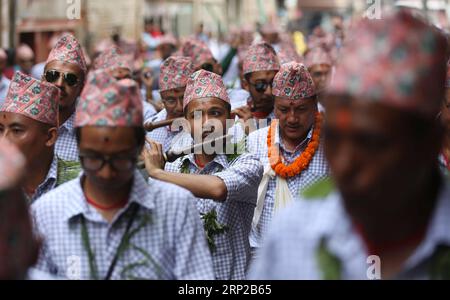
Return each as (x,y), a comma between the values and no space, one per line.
(52,136)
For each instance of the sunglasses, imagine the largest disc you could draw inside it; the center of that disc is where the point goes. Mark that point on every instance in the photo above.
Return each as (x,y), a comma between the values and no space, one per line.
(52,76)
(261,86)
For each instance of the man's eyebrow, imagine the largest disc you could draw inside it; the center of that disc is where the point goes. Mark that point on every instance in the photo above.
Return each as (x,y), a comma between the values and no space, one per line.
(15,124)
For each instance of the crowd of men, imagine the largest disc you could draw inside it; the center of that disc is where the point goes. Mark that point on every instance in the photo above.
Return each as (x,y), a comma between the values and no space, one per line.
(320,159)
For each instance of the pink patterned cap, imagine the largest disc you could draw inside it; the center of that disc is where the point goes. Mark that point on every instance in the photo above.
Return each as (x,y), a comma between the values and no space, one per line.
(204,84)
(398,61)
(68,50)
(108,102)
(113,58)
(293,82)
(12,165)
(261,57)
(175,73)
(318,56)
(32,98)
(197,50)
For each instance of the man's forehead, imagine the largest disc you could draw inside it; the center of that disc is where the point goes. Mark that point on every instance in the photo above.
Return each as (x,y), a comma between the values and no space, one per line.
(174,92)
(64,67)
(261,75)
(320,68)
(16,118)
(281,101)
(205,104)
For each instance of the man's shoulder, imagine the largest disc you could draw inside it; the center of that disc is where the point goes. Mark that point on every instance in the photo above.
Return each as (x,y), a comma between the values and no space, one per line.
(56,201)
(165,192)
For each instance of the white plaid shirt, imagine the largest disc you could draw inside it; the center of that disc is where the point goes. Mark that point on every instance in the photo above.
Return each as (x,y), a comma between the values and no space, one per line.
(171,234)
(148,110)
(66,144)
(290,249)
(318,169)
(49,182)
(241,177)
(162,135)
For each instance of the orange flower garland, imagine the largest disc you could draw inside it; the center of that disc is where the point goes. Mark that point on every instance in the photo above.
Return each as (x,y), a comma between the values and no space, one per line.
(303,161)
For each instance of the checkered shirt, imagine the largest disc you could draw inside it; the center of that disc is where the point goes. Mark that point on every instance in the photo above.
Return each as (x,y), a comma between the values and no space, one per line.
(291,247)
(241,177)
(49,182)
(318,169)
(66,144)
(169,240)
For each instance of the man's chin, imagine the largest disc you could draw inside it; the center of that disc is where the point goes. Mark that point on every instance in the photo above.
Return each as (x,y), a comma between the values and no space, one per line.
(109,185)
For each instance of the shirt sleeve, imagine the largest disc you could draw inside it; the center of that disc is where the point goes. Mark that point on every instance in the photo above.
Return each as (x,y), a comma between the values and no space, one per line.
(242,179)
(44,263)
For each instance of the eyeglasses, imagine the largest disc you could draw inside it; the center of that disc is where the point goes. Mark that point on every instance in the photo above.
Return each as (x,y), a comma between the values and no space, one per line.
(94,163)
(52,76)
(207,67)
(261,86)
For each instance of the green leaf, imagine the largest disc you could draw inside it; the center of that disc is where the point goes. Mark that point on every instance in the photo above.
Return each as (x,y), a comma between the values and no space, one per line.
(318,190)
(67,171)
(185,167)
(330,266)
(212,228)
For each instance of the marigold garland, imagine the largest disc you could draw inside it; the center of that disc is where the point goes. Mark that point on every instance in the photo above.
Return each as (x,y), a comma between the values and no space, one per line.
(303,161)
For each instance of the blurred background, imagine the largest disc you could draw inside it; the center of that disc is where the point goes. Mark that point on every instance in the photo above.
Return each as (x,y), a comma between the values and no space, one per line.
(35,22)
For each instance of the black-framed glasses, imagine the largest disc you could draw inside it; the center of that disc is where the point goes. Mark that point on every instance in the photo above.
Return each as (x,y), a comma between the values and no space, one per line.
(94,162)
(52,76)
(207,67)
(261,86)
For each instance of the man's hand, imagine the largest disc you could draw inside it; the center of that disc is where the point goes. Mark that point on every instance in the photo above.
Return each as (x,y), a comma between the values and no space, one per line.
(243,113)
(153,157)
(147,78)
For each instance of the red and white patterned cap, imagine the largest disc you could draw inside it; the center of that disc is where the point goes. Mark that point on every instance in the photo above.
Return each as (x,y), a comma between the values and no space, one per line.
(108,102)
(113,58)
(197,50)
(175,72)
(293,82)
(204,84)
(32,98)
(261,57)
(68,50)
(399,61)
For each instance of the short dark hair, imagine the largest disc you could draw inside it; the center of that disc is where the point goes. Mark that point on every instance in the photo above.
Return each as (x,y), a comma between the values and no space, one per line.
(139,133)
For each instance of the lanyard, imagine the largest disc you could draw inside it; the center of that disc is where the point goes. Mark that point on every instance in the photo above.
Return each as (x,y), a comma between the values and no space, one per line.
(87,245)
